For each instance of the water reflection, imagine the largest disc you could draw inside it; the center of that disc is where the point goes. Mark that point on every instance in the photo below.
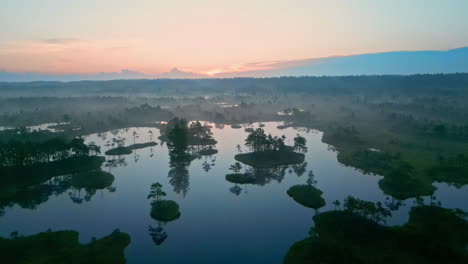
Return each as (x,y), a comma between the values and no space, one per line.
(185,143)
(33,172)
(162,211)
(187,167)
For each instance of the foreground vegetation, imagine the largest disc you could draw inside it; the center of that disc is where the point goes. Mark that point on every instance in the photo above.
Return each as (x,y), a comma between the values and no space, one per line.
(432,235)
(63,247)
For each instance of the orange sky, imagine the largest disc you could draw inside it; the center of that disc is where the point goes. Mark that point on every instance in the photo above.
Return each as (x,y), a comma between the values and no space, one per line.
(208,36)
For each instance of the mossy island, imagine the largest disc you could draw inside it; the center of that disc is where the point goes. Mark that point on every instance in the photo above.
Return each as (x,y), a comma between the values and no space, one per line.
(268,151)
(270,158)
(307,195)
(240,178)
(162,210)
(165,210)
(121,150)
(63,247)
(257,176)
(208,152)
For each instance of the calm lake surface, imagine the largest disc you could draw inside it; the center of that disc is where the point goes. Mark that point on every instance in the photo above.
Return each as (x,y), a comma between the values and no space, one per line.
(256,225)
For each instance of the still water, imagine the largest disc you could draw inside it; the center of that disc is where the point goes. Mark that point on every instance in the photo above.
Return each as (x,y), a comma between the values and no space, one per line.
(257,224)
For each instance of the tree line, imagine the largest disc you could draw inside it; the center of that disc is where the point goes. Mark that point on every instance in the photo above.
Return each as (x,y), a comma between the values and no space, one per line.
(25,153)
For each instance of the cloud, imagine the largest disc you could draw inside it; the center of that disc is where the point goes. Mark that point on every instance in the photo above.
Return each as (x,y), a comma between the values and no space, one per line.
(60,41)
(124,74)
(175,73)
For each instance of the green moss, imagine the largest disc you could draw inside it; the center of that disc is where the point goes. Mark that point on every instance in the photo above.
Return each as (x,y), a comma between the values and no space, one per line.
(377,162)
(128,150)
(63,247)
(405,188)
(307,195)
(270,158)
(400,179)
(240,178)
(165,210)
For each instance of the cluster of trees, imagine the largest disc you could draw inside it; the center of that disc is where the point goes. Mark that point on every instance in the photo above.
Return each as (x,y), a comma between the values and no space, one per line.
(340,134)
(156,192)
(178,131)
(183,141)
(258,141)
(24,153)
(370,210)
(409,123)
(197,130)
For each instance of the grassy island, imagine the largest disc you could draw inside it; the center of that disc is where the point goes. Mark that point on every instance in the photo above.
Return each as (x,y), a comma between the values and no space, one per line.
(63,247)
(270,158)
(208,152)
(162,210)
(165,210)
(241,178)
(268,151)
(307,195)
(128,150)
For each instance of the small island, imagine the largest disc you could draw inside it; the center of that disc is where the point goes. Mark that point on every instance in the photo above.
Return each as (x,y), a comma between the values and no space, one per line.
(269,151)
(240,178)
(121,150)
(307,195)
(162,210)
(165,210)
(270,158)
(208,152)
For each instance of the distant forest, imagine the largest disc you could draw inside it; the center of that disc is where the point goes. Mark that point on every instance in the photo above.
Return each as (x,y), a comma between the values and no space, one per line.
(389,84)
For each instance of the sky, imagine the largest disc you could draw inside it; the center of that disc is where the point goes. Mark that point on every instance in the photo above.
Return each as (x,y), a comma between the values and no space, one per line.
(215,36)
